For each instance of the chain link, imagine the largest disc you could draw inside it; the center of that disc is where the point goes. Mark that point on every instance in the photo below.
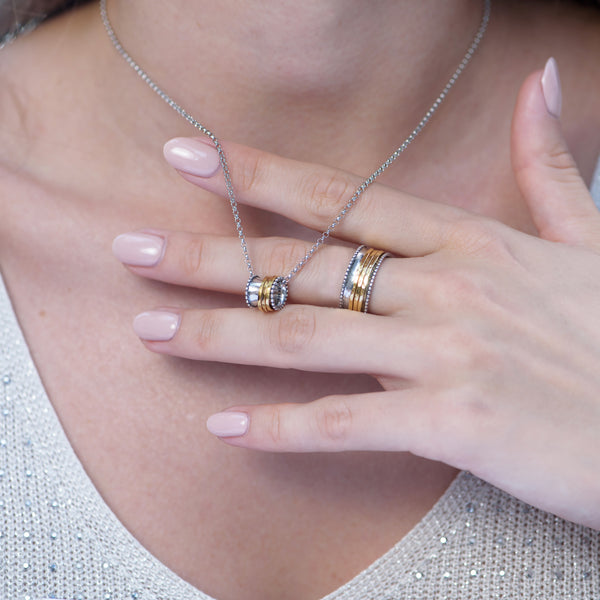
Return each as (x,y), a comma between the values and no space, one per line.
(223,159)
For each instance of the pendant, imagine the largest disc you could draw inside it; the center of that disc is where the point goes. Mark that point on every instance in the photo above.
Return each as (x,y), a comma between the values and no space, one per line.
(268,294)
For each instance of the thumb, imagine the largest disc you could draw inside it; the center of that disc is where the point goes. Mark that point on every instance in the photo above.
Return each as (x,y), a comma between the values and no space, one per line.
(557,196)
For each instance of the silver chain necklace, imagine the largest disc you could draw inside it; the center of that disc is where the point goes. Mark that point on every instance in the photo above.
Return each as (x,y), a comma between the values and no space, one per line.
(270,293)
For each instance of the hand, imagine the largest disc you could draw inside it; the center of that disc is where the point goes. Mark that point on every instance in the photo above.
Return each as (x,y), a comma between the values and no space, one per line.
(486,340)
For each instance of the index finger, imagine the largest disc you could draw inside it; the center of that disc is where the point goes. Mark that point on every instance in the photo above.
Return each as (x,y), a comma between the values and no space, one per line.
(315,195)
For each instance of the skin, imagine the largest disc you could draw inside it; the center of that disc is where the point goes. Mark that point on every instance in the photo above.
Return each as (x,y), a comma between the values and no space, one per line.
(485,341)
(304,523)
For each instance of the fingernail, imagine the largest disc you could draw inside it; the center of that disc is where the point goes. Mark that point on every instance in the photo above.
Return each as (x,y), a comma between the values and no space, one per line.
(138,249)
(551,88)
(192,156)
(228,424)
(156,325)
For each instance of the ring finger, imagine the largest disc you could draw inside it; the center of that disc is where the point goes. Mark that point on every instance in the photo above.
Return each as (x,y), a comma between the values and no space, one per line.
(300,337)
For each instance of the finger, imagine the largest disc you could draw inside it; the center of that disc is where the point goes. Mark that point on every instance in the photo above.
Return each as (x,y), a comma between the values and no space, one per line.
(373,421)
(314,196)
(213,263)
(558,198)
(299,337)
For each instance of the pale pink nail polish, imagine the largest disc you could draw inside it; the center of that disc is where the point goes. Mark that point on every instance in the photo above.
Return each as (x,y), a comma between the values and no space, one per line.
(192,156)
(551,88)
(156,325)
(138,249)
(228,424)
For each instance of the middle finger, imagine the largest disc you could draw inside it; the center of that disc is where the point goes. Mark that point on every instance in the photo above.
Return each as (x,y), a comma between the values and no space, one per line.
(213,263)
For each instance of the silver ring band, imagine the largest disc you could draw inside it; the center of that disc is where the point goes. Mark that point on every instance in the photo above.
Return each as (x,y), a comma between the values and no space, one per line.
(268,294)
(351,275)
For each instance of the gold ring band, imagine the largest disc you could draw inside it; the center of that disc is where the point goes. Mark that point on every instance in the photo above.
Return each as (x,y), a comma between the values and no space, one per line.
(268,294)
(359,278)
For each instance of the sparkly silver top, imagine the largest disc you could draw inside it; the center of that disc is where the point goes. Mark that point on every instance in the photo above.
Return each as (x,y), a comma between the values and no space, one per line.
(58,538)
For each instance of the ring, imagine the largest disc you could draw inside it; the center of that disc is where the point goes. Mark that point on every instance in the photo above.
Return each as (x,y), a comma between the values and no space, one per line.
(360,277)
(267,294)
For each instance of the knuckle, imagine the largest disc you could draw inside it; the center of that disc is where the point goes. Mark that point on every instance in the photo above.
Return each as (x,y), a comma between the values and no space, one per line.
(478,236)
(558,157)
(274,425)
(193,257)
(454,287)
(283,254)
(326,196)
(453,349)
(466,354)
(470,407)
(206,328)
(466,416)
(293,330)
(250,171)
(333,419)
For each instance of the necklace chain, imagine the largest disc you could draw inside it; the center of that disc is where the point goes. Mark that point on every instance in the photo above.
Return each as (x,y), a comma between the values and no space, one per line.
(223,160)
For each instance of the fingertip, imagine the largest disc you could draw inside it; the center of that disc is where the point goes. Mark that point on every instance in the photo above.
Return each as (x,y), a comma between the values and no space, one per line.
(157,325)
(228,424)
(193,156)
(544,168)
(551,88)
(139,249)
(535,128)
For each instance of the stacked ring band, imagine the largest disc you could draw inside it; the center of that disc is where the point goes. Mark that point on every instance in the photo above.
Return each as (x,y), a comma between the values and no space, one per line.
(360,277)
(267,294)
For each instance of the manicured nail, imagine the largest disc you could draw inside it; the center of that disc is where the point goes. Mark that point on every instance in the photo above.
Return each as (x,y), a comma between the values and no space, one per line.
(156,325)
(138,249)
(228,424)
(192,156)
(551,88)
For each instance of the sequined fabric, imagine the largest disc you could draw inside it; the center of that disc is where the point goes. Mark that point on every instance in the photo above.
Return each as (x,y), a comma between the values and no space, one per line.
(58,539)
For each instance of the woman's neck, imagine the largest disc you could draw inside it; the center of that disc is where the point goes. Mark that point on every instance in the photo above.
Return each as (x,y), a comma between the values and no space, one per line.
(264,73)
